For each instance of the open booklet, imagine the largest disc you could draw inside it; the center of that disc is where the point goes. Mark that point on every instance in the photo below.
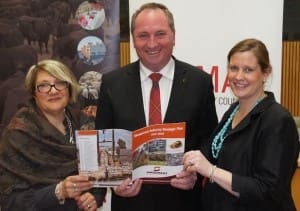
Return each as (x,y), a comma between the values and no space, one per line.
(153,153)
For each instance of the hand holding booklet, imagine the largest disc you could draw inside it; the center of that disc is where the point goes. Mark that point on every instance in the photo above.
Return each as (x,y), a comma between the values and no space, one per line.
(153,154)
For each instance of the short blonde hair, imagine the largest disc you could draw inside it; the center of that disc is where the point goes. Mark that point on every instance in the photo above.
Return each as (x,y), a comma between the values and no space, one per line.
(57,70)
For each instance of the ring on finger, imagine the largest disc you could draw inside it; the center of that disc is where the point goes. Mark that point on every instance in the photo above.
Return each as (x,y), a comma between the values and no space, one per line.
(75,188)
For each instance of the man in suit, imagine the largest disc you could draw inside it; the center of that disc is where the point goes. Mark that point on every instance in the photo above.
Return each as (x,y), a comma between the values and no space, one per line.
(186,95)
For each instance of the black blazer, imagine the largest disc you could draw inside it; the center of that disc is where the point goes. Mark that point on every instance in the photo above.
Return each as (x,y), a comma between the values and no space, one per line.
(261,152)
(192,101)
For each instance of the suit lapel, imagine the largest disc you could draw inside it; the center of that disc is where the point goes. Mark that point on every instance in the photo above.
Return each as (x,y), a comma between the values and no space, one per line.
(177,92)
(134,91)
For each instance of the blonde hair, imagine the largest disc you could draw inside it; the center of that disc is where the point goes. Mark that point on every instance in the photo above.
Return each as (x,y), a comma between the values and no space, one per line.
(57,70)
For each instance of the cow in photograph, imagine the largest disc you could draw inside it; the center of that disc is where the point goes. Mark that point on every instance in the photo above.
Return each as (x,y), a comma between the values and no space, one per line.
(10,36)
(16,61)
(59,11)
(36,29)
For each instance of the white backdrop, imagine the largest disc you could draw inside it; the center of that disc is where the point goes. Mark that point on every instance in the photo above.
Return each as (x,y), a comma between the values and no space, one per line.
(206,31)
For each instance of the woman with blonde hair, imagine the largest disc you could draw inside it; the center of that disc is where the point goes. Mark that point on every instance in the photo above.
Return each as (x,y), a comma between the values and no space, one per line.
(38,160)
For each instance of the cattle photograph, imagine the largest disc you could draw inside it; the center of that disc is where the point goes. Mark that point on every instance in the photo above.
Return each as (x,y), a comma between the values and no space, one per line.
(33,30)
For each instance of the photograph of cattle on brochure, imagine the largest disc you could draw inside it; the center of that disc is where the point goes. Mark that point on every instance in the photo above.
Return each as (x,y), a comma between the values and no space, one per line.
(84,35)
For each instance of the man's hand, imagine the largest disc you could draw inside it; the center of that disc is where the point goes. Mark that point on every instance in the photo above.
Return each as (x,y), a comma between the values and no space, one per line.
(128,188)
(184,180)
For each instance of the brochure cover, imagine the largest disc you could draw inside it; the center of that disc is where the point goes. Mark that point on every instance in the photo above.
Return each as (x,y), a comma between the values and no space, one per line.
(152,153)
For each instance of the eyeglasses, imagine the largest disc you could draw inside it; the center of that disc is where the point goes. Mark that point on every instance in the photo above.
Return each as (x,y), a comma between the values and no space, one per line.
(46,87)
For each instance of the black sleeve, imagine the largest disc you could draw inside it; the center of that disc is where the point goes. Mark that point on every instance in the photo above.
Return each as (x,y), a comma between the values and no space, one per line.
(104,115)
(37,199)
(45,197)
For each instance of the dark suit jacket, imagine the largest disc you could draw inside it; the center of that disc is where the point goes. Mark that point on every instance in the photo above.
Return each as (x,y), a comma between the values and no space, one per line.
(192,101)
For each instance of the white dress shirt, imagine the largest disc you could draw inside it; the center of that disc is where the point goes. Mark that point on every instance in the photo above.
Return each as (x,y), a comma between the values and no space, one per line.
(165,86)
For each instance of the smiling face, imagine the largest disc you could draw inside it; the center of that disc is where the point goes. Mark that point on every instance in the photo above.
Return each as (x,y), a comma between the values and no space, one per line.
(54,101)
(153,39)
(246,77)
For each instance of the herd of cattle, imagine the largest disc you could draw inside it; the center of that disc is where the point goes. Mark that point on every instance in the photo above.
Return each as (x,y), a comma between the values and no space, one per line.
(33,20)
(31,28)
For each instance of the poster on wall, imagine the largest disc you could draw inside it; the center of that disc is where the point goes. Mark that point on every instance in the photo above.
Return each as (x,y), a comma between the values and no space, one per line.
(83,34)
(206,31)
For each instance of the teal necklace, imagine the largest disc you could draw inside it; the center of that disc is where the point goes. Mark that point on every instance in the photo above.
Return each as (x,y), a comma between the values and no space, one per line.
(222,134)
(220,137)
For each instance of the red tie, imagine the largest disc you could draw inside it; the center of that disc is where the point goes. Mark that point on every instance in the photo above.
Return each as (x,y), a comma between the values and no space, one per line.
(154,106)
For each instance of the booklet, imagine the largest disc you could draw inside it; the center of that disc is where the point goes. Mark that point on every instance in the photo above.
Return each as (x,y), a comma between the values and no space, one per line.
(153,154)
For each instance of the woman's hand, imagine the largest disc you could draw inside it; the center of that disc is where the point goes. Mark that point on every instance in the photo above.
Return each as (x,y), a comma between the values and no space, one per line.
(195,161)
(74,186)
(126,189)
(86,201)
